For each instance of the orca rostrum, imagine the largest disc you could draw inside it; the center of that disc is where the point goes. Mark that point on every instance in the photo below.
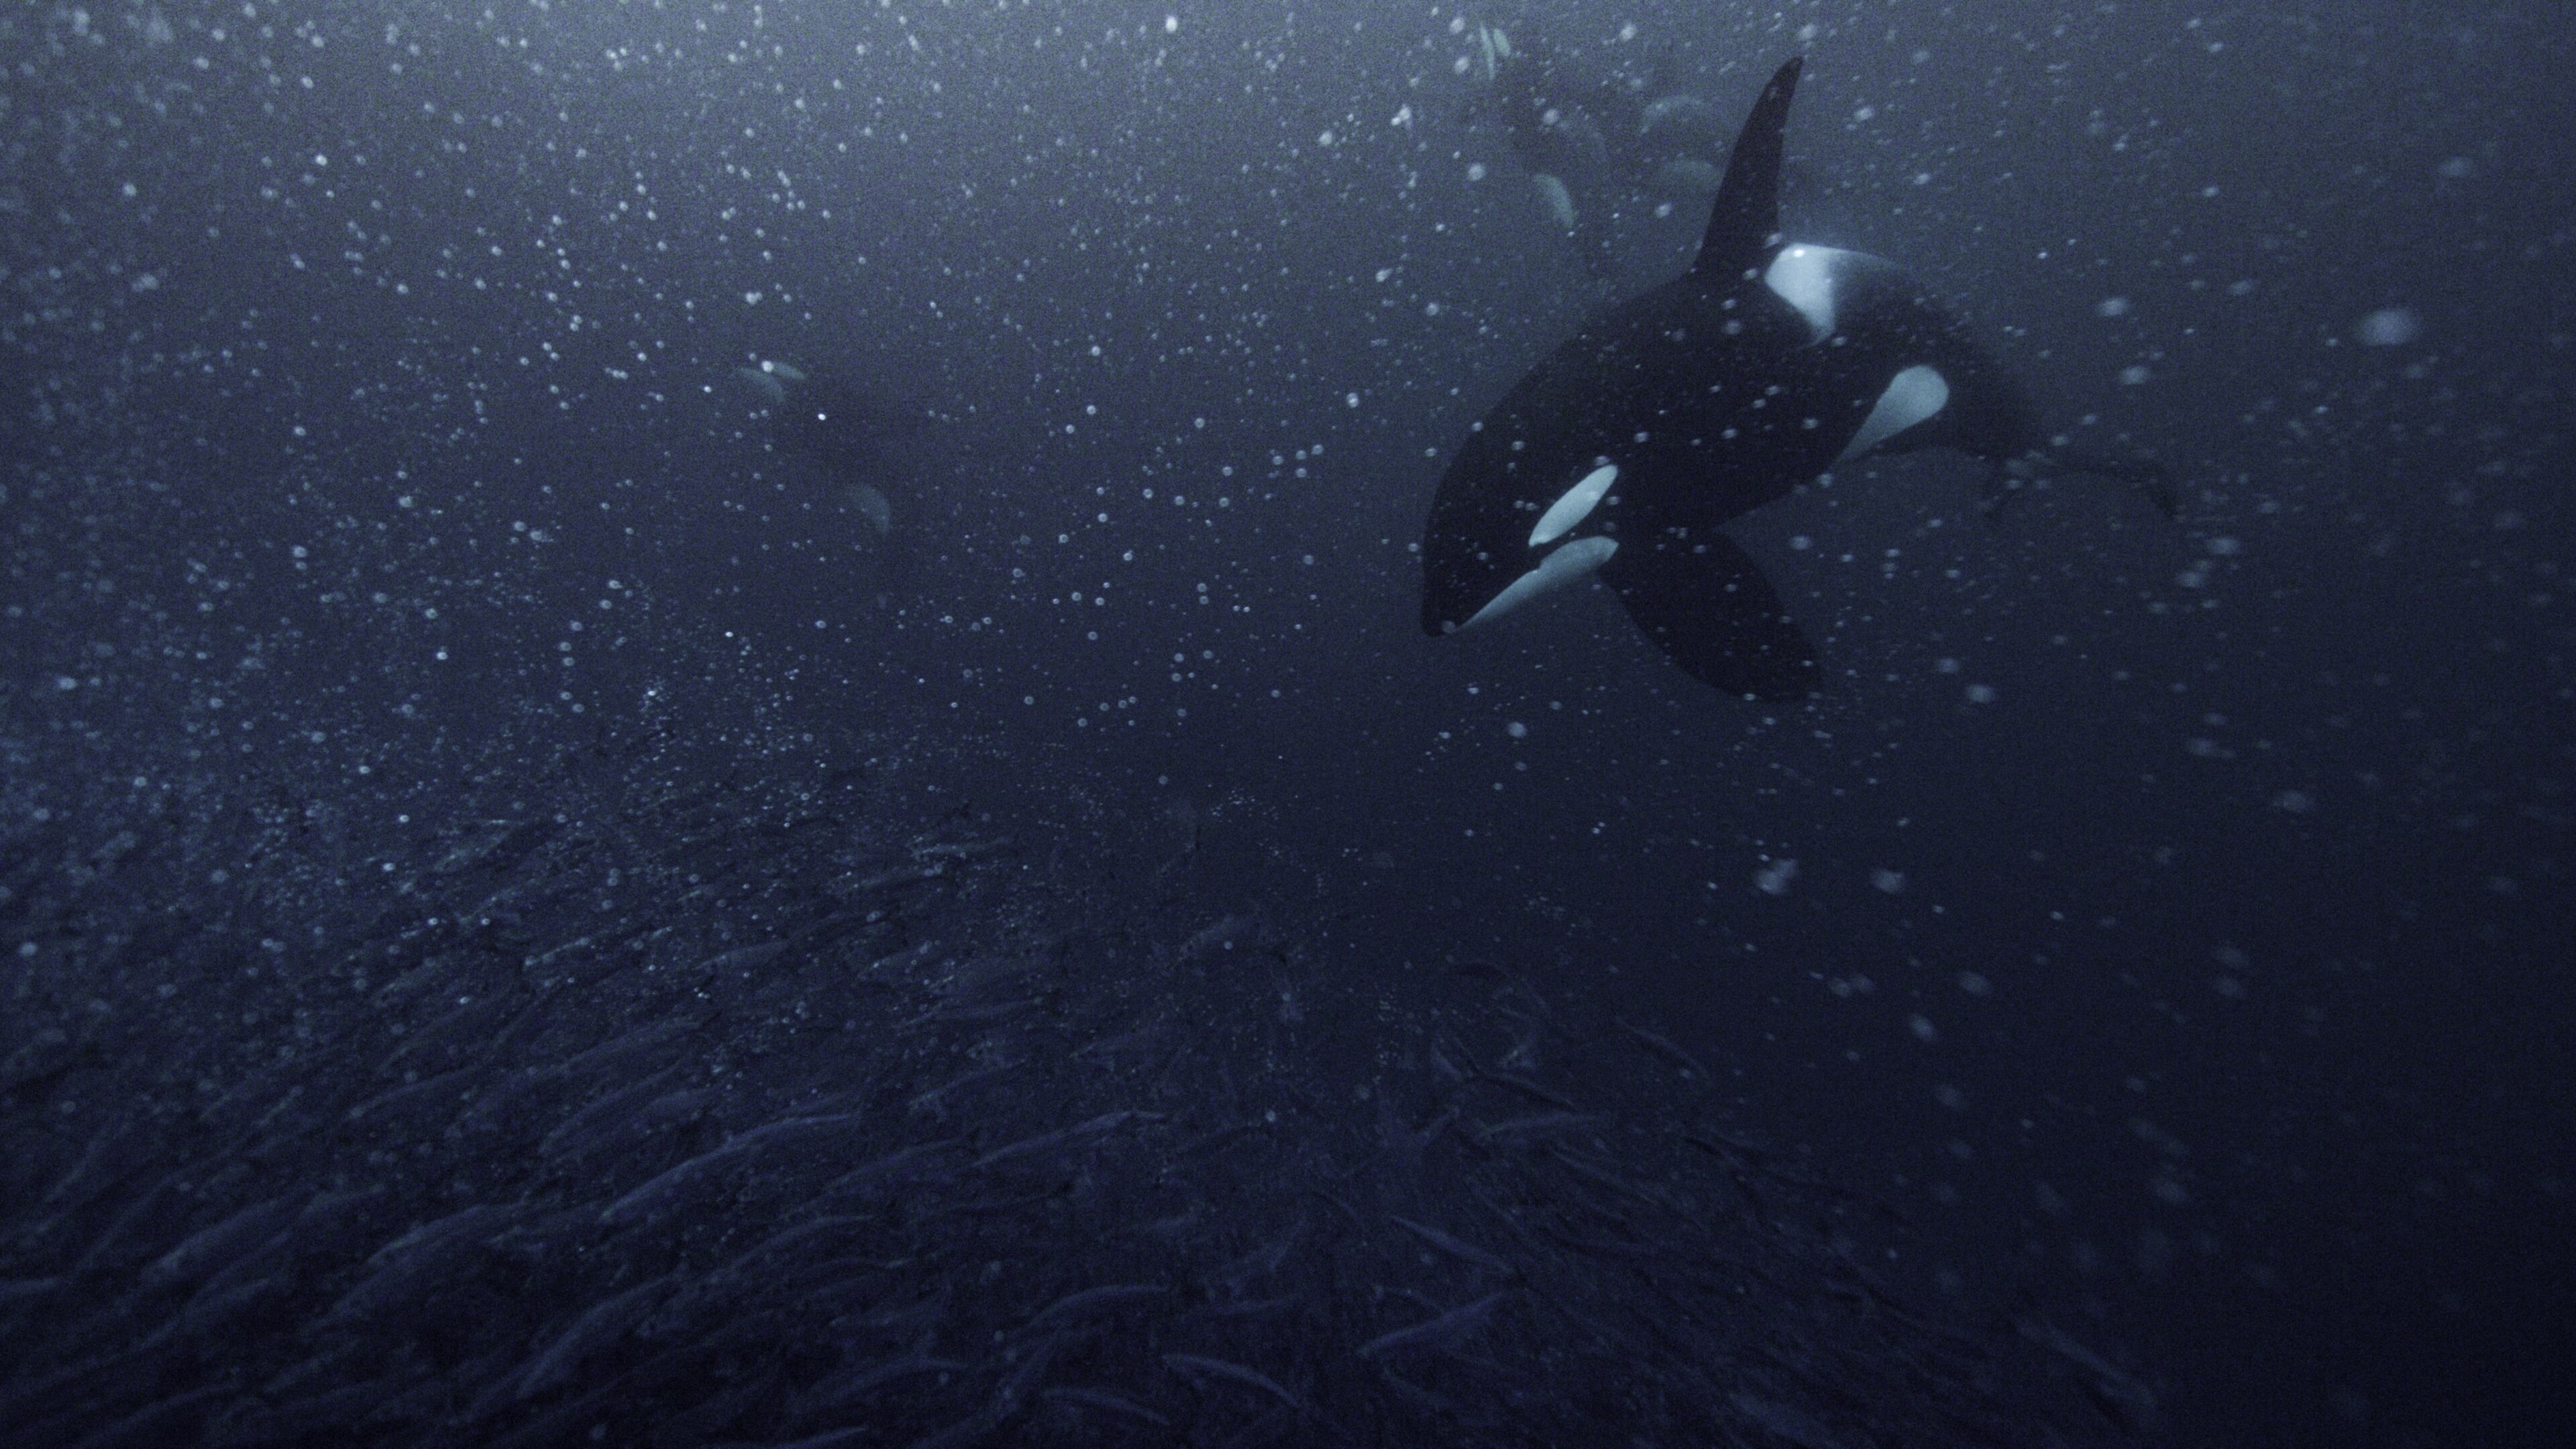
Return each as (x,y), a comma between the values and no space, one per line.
(1765,364)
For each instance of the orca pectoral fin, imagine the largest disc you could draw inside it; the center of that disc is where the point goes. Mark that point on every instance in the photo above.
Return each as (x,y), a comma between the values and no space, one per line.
(1705,603)
(1745,218)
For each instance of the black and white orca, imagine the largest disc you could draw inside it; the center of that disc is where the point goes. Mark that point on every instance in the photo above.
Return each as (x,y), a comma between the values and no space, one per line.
(1767,363)
(843,432)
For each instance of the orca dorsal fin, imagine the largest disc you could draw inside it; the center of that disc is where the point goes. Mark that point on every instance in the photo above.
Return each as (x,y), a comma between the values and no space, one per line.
(1746,215)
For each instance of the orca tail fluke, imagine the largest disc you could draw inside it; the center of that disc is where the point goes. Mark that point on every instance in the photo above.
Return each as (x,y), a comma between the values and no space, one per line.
(2038,468)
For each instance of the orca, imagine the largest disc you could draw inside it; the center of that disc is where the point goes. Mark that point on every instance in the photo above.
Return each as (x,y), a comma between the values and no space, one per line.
(845,431)
(835,423)
(852,442)
(1594,136)
(1622,453)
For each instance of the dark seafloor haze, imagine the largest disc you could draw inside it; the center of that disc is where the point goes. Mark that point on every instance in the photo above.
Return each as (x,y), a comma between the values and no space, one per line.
(529,920)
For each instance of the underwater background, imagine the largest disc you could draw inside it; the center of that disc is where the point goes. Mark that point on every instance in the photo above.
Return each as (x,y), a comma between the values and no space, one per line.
(548,902)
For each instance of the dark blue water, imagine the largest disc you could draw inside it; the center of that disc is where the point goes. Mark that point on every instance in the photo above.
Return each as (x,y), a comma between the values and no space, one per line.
(2166,1007)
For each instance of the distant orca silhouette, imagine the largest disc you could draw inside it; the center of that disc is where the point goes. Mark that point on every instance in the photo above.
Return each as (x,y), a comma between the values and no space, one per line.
(1767,363)
(852,440)
(1590,138)
(843,427)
